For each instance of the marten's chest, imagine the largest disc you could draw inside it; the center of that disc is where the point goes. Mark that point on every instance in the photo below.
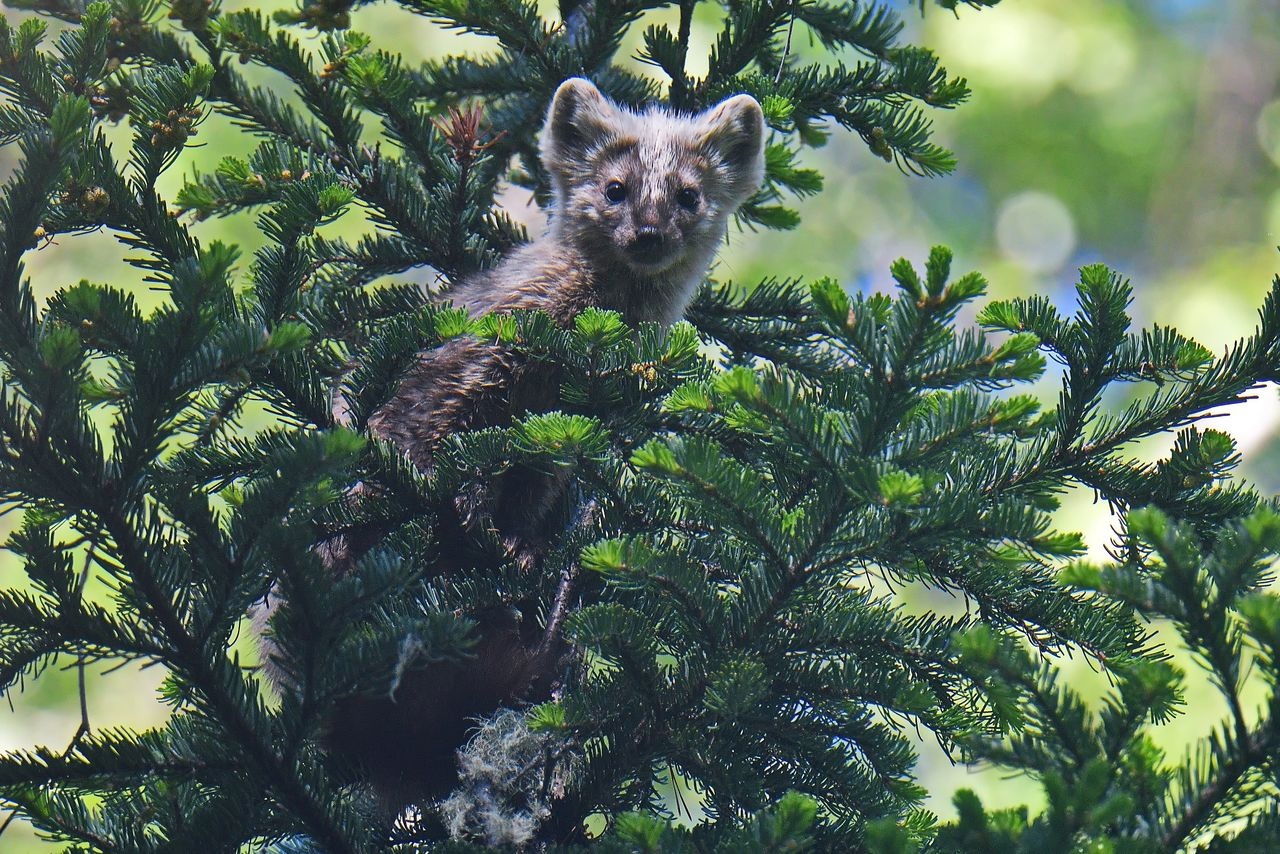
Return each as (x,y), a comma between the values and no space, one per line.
(564,284)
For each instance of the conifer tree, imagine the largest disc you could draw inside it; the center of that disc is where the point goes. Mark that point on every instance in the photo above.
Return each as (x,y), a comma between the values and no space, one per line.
(750,488)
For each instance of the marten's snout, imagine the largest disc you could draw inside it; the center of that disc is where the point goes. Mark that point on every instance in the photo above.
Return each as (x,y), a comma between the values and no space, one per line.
(649,248)
(647,240)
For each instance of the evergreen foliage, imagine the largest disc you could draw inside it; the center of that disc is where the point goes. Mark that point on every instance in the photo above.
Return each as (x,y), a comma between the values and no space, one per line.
(1106,782)
(751,488)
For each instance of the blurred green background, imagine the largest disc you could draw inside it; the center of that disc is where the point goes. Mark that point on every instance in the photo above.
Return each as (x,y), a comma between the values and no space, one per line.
(1141,133)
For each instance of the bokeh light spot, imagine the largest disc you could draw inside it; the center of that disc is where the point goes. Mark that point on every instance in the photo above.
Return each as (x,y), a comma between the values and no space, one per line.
(1021,50)
(1273,219)
(1036,231)
(1268,128)
(1106,63)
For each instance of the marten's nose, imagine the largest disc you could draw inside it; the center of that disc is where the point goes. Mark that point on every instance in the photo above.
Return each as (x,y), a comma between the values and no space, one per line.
(648,238)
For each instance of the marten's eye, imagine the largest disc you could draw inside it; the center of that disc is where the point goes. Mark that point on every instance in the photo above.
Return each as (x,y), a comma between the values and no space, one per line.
(615,192)
(687,198)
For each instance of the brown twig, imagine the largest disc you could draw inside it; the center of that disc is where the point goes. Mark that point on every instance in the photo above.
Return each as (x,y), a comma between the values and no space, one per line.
(83,729)
(786,52)
(559,609)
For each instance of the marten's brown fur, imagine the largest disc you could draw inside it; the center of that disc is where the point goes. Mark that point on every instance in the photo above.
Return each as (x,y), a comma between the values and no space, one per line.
(641,201)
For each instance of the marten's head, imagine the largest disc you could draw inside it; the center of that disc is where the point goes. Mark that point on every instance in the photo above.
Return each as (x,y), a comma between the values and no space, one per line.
(651,189)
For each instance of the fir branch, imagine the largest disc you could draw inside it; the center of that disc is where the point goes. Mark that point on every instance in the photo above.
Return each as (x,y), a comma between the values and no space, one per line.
(1253,751)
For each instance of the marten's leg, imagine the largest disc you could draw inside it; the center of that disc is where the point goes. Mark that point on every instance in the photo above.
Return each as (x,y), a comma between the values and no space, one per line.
(404,741)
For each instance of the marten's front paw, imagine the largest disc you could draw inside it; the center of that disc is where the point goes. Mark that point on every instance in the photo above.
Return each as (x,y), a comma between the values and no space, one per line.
(474,506)
(526,553)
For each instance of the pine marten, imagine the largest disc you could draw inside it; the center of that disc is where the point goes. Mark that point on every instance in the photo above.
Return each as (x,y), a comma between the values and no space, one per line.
(640,202)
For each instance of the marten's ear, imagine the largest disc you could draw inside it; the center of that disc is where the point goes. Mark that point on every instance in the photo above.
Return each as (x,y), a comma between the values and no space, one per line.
(733,134)
(579,120)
